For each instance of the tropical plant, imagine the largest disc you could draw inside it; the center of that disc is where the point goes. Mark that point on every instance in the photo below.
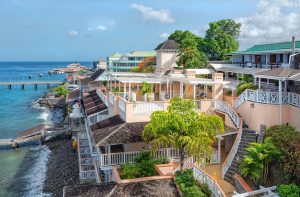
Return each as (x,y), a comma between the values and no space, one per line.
(247,78)
(61,90)
(288,190)
(241,87)
(285,138)
(81,72)
(255,164)
(182,127)
(147,88)
(190,57)
(188,185)
(104,83)
(143,166)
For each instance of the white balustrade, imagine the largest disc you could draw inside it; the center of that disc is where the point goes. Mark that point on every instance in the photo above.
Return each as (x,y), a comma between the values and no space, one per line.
(267,98)
(122,105)
(148,107)
(128,157)
(212,184)
(269,191)
(111,99)
(226,108)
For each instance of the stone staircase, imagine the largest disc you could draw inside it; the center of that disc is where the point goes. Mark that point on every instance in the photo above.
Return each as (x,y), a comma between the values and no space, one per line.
(248,136)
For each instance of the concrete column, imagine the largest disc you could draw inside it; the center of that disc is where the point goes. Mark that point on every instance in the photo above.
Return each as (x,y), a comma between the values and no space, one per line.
(195,91)
(285,86)
(219,149)
(181,90)
(129,90)
(115,82)
(259,86)
(280,100)
(119,86)
(255,82)
(125,89)
(167,85)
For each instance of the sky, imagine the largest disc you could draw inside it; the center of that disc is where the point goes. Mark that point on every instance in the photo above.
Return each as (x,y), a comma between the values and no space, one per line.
(87,30)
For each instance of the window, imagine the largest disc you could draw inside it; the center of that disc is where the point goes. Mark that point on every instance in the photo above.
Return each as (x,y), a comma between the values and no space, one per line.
(281,58)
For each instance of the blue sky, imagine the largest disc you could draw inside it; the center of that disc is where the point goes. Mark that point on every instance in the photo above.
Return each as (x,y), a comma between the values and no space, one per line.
(56,30)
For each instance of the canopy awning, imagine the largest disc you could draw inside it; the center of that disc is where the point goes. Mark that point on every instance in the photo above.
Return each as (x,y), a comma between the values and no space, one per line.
(141,80)
(196,81)
(203,71)
(280,74)
(230,68)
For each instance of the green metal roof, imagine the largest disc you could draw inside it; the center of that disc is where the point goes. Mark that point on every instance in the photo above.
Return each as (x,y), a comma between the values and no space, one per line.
(269,48)
(141,54)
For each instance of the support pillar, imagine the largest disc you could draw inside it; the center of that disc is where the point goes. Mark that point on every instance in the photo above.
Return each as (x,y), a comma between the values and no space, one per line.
(120,86)
(35,86)
(285,86)
(195,91)
(259,85)
(9,86)
(22,86)
(129,90)
(219,149)
(125,90)
(280,100)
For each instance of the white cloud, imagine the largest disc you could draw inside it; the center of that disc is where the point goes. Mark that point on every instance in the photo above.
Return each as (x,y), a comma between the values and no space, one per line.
(149,14)
(164,35)
(101,28)
(273,21)
(72,33)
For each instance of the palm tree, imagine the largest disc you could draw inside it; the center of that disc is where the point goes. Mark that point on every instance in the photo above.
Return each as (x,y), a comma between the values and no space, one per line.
(182,127)
(255,164)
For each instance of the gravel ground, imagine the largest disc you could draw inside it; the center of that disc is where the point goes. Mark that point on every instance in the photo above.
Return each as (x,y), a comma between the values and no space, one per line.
(62,167)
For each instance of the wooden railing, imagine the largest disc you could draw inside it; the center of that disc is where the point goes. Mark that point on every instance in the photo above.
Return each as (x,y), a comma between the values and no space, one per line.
(205,178)
(128,157)
(267,98)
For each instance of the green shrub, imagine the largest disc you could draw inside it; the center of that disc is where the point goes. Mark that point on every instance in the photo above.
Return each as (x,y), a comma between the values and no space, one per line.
(104,83)
(205,190)
(143,166)
(128,171)
(244,86)
(147,88)
(288,190)
(61,90)
(193,191)
(188,185)
(228,93)
(284,137)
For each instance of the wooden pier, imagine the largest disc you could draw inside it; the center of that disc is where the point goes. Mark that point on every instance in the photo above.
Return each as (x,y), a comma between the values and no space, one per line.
(34,83)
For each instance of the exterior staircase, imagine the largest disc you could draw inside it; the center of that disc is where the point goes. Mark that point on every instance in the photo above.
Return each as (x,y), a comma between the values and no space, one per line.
(248,136)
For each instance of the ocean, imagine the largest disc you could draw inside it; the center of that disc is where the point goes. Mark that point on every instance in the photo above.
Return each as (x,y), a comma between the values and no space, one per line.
(22,171)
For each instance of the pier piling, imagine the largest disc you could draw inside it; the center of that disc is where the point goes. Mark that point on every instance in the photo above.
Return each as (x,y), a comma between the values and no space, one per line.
(9,86)
(35,86)
(23,86)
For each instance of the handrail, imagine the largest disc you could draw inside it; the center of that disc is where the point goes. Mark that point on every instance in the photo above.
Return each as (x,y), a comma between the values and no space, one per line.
(233,150)
(262,190)
(226,108)
(128,157)
(267,98)
(205,178)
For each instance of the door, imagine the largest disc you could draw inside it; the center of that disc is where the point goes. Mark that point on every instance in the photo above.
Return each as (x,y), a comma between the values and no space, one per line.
(257,59)
(273,59)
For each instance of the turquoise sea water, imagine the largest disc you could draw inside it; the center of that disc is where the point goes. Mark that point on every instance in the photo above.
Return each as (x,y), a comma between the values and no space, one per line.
(22,170)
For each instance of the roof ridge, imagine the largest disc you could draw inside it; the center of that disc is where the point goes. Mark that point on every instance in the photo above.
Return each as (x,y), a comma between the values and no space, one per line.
(120,127)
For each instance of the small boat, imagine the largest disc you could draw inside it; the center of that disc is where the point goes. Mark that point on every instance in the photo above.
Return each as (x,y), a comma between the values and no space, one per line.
(40,75)
(30,77)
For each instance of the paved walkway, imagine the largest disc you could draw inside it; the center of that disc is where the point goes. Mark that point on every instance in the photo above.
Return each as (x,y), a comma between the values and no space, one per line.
(215,170)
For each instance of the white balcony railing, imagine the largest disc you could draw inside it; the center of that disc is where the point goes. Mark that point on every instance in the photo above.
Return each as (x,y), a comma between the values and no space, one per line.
(128,157)
(226,108)
(267,98)
(212,184)
(148,107)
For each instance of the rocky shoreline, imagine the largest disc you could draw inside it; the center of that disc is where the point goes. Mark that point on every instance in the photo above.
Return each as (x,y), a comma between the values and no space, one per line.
(62,166)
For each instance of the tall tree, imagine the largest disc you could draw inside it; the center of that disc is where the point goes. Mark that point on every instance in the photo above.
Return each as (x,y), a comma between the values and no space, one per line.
(220,38)
(190,57)
(185,38)
(182,127)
